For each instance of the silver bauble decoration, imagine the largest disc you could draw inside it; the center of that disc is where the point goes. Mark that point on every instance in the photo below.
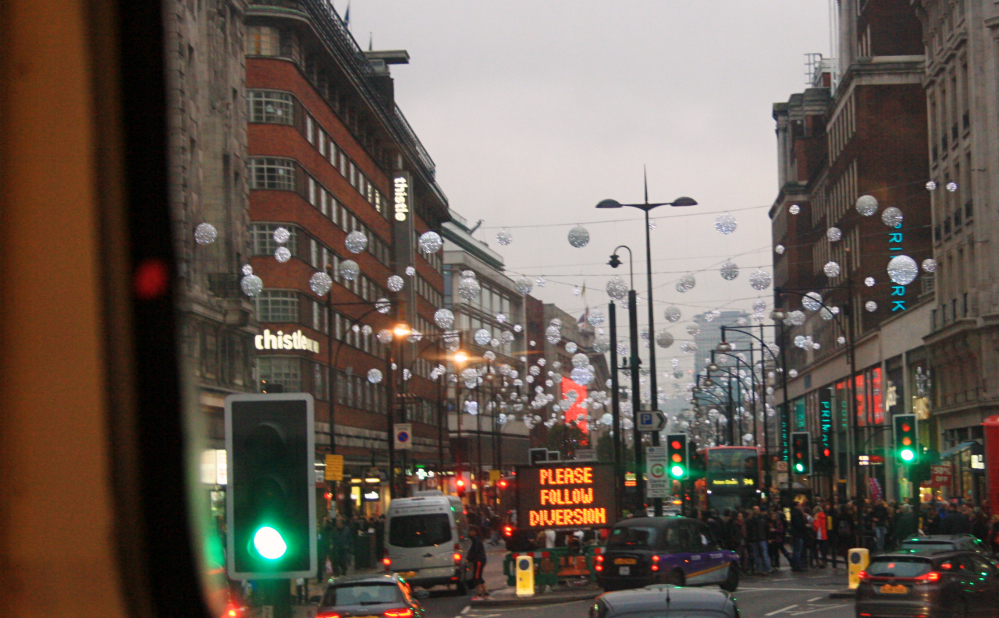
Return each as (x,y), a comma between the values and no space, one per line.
(205,234)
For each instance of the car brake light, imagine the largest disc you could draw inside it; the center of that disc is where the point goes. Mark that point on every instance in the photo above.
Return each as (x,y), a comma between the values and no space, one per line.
(457,557)
(599,558)
(863,576)
(387,562)
(946,566)
(399,613)
(327,615)
(599,568)
(655,558)
(930,577)
(507,530)
(655,563)
(231,612)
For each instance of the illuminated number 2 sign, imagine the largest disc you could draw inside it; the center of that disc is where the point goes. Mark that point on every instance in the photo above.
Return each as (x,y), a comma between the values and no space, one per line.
(566,496)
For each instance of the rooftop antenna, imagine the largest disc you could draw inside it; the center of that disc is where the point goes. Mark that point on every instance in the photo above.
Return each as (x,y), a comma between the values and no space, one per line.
(472,231)
(370,42)
(645,178)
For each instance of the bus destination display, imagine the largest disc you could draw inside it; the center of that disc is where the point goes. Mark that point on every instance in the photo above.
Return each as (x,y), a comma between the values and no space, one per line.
(566,496)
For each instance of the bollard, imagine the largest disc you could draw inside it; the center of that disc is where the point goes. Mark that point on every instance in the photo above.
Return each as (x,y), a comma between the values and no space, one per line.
(524,565)
(857,560)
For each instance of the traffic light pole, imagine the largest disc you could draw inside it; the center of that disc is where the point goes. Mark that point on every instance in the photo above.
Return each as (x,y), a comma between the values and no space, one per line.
(636,400)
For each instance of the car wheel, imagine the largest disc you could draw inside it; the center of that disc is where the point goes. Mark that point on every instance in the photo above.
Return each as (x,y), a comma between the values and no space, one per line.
(675,577)
(732,581)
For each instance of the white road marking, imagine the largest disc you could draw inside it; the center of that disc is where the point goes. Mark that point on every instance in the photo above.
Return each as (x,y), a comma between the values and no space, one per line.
(782,610)
(741,589)
(812,600)
(465,611)
(811,611)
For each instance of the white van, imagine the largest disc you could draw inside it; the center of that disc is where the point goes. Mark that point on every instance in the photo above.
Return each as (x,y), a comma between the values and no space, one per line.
(426,538)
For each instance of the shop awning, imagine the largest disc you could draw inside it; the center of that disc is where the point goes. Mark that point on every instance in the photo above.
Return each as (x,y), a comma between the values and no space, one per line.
(957,449)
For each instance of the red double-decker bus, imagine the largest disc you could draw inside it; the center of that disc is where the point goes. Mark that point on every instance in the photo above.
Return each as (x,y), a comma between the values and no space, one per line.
(731,478)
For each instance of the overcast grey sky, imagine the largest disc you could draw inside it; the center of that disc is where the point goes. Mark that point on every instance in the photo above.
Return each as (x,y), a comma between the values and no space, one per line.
(535,110)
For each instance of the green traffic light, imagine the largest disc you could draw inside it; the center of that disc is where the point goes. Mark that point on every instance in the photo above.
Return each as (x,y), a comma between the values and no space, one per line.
(799,467)
(269,543)
(676,471)
(907,454)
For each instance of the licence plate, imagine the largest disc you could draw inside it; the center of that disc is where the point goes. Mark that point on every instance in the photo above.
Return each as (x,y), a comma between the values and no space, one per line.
(405,574)
(889,589)
(624,570)
(625,561)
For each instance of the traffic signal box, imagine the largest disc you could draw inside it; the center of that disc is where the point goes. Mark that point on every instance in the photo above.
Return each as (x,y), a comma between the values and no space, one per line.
(678,456)
(906,438)
(271,501)
(801,452)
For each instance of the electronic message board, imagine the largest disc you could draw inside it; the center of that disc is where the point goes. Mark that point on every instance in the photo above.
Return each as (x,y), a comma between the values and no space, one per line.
(566,496)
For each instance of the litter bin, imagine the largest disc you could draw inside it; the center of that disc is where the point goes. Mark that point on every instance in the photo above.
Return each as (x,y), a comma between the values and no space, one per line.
(364,551)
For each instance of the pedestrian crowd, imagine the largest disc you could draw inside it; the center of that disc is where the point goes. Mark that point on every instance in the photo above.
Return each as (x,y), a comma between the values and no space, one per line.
(820,534)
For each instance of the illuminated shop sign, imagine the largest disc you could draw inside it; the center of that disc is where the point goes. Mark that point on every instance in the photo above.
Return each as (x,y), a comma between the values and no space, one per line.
(731,482)
(895,244)
(282,341)
(401,198)
(563,496)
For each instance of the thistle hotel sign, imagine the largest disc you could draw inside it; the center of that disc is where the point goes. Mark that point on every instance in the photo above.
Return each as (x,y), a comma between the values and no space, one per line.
(401,185)
(285,341)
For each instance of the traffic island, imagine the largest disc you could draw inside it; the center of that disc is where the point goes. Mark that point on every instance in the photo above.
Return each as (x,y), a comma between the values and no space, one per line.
(507,597)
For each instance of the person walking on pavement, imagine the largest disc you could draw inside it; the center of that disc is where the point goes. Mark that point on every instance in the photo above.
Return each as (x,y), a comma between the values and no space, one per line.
(477,557)
(819,524)
(799,534)
(342,542)
(762,535)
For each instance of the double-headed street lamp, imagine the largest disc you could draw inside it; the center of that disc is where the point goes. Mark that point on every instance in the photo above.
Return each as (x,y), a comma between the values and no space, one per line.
(646,207)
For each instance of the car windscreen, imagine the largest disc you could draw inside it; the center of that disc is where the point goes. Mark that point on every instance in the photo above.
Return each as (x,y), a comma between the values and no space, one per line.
(928,545)
(631,537)
(898,567)
(424,530)
(362,594)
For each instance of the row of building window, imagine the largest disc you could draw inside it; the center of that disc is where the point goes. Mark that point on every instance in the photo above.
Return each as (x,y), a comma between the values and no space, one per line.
(279,107)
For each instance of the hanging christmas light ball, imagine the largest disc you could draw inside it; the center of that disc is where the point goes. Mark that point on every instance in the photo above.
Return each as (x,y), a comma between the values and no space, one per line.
(779,249)
(579,237)
(320,283)
(382,305)
(902,269)
(247,269)
(596,317)
(469,288)
(929,265)
(444,319)
(729,271)
(356,242)
(812,301)
(672,314)
(601,345)
(892,217)
(281,235)
(617,288)
(794,209)
(867,205)
(205,234)
(430,242)
(686,283)
(395,283)
(931,186)
(374,376)
(504,238)
(664,339)
(834,234)
(581,376)
(725,223)
(349,270)
(760,280)
(951,186)
(871,306)
(759,305)
(523,285)
(251,285)
(571,347)
(869,282)
(831,269)
(282,254)
(693,330)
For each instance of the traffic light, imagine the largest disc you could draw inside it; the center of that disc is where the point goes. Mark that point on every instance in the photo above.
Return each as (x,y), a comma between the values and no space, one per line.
(459,487)
(677,455)
(271,505)
(801,452)
(825,463)
(906,438)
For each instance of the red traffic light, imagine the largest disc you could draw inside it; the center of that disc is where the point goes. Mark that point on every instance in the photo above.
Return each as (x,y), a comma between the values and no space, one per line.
(906,427)
(461,483)
(826,452)
(502,484)
(675,444)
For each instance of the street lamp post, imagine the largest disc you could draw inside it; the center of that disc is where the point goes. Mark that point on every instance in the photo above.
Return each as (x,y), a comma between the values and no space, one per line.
(646,207)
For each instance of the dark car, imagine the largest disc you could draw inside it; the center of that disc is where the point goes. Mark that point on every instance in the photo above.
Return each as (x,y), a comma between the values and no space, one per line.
(665,601)
(938,542)
(665,550)
(956,584)
(384,595)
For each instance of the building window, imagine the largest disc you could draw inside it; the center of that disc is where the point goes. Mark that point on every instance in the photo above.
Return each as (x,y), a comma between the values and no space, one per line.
(282,370)
(268,173)
(262,238)
(263,41)
(271,106)
(277,306)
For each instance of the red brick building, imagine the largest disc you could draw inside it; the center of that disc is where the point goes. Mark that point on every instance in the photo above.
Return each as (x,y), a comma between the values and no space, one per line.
(331,154)
(859,130)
